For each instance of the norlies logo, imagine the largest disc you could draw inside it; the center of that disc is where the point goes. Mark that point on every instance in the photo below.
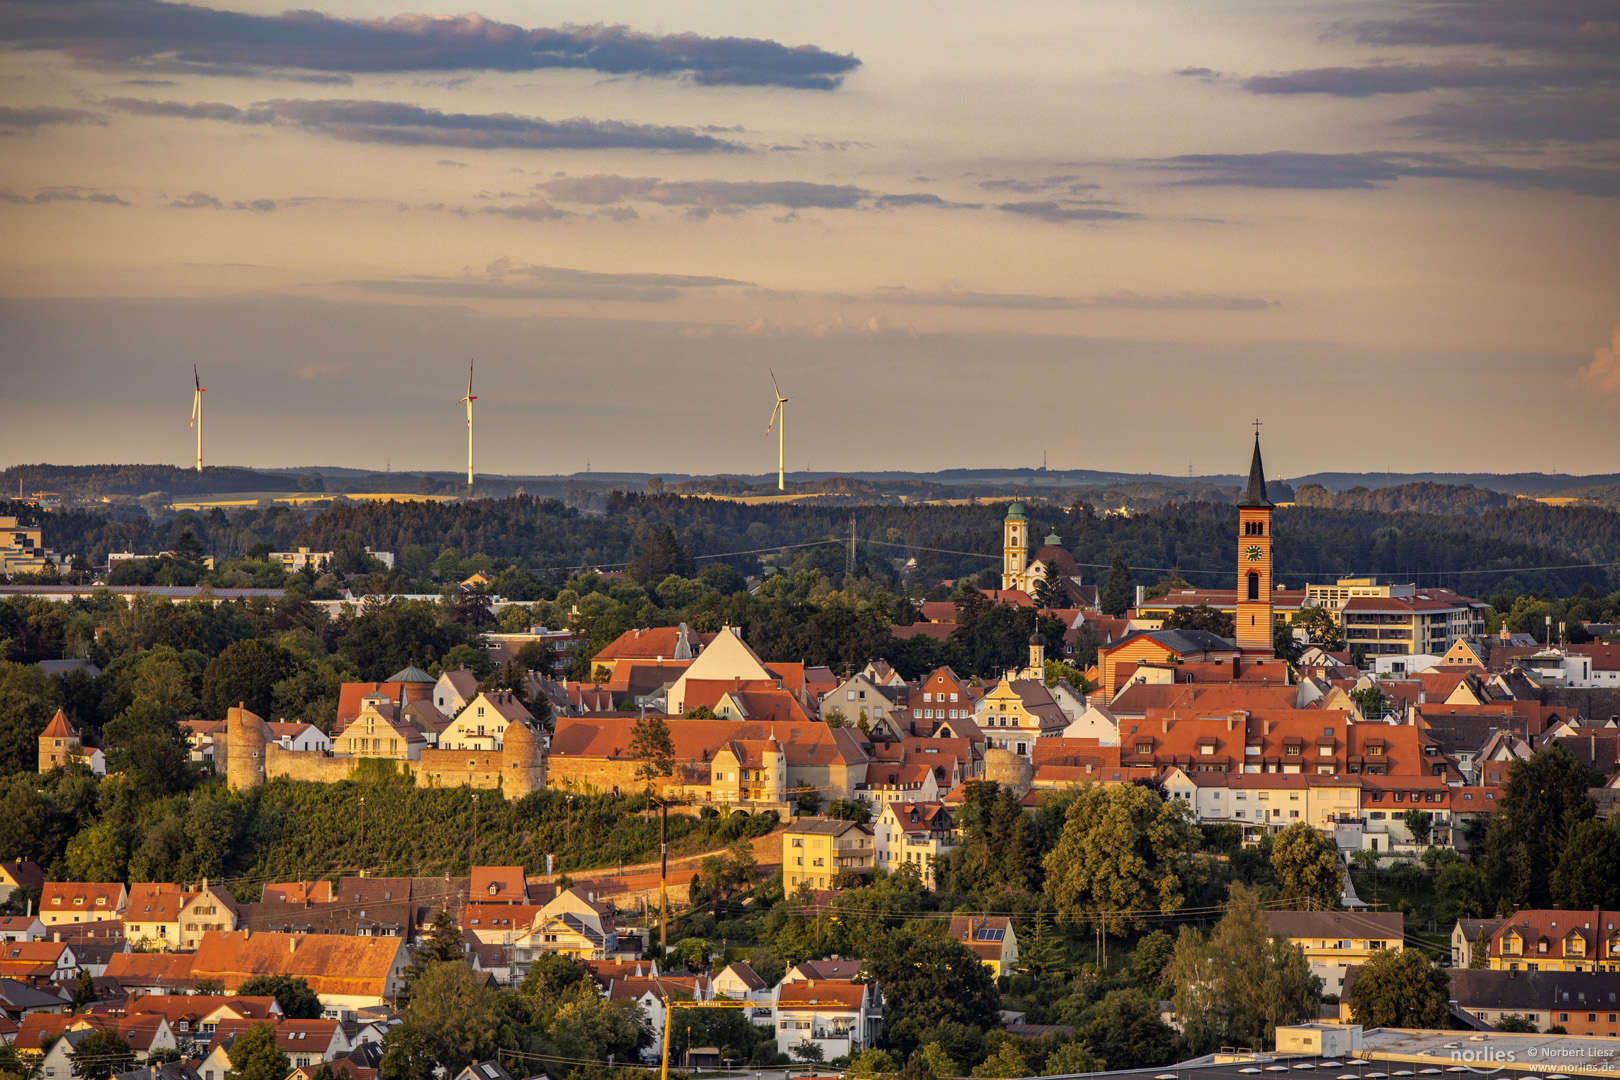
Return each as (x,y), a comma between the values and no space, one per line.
(1484,1060)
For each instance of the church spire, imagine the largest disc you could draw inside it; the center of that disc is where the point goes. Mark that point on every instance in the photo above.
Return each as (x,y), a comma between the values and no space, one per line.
(1256,495)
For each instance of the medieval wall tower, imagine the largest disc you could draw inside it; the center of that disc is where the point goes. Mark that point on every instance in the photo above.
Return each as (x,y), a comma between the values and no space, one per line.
(246,740)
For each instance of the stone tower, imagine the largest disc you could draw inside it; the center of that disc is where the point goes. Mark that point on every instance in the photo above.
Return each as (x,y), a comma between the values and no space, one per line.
(1013,771)
(1254,616)
(58,742)
(523,761)
(1015,548)
(246,737)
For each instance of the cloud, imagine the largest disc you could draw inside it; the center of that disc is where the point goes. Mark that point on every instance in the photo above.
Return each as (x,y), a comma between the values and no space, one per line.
(400,124)
(1602,376)
(1068,183)
(1377,169)
(538,210)
(201,200)
(64,194)
(703,197)
(1580,26)
(1571,116)
(169,37)
(13,120)
(1032,302)
(1066,210)
(1414,78)
(506,279)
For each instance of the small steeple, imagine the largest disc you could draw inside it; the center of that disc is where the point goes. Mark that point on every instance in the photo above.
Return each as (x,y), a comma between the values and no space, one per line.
(1256,495)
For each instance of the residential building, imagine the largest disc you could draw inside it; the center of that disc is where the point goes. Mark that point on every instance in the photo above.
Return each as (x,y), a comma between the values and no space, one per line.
(991,938)
(64,902)
(1426,621)
(840,1016)
(19,874)
(1335,940)
(498,885)
(454,690)
(815,852)
(305,1042)
(570,924)
(21,928)
(23,550)
(1584,1005)
(915,834)
(1463,935)
(297,561)
(1016,712)
(1554,940)
(347,973)
(860,697)
(482,724)
(653,645)
(38,962)
(748,771)
(377,731)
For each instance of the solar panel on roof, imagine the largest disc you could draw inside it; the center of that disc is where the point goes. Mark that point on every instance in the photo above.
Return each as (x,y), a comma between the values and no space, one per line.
(986,934)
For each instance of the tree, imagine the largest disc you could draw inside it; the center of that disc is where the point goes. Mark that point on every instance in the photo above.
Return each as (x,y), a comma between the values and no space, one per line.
(1284,645)
(928,980)
(1128,1033)
(857,810)
(456,1012)
(1513,1022)
(1122,848)
(806,797)
(1201,617)
(442,945)
(1460,888)
(1588,874)
(1371,701)
(1050,591)
(1117,594)
(255,1056)
(1306,861)
(1321,627)
(1479,953)
(872,1064)
(297,1000)
(145,743)
(1236,987)
(1419,823)
(102,1053)
(85,993)
(652,748)
(549,977)
(1543,800)
(246,673)
(808,1051)
(1400,989)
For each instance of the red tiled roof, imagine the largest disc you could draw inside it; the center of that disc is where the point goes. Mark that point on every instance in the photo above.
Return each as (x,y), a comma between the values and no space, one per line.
(59,728)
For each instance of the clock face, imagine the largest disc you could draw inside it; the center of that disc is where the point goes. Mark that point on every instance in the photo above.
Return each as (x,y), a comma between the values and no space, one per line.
(1253,553)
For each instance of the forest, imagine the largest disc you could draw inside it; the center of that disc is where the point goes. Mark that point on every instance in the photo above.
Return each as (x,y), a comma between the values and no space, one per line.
(1474,546)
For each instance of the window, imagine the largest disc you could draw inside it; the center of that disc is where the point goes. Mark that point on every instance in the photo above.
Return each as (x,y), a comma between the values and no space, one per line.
(1254,585)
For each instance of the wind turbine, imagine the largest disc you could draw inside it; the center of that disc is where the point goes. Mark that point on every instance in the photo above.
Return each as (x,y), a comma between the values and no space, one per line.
(781,434)
(469,399)
(196,411)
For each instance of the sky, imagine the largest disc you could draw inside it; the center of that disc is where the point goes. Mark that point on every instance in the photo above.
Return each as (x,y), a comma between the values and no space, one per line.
(1106,235)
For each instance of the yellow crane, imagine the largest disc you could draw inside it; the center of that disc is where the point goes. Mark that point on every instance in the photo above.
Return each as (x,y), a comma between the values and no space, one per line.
(669,1020)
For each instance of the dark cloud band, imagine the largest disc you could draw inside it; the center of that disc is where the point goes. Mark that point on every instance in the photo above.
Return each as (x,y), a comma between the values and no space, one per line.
(411,125)
(182,37)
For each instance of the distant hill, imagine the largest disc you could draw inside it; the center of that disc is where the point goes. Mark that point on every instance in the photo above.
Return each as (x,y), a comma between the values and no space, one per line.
(89,481)
(1425,498)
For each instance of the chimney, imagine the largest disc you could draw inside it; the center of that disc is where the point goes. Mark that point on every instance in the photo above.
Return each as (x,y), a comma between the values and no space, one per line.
(292,945)
(1164,725)
(1141,595)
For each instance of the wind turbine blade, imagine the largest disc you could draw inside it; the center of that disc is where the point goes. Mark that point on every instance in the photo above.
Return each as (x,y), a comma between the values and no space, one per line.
(774,413)
(195,377)
(775,387)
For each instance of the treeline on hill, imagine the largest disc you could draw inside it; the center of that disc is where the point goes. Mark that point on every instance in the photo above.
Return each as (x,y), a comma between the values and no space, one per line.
(90,481)
(1422,498)
(1313,543)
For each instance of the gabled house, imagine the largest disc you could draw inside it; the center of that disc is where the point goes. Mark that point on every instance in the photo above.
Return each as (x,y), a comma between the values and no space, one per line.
(1554,940)
(498,885)
(63,902)
(572,925)
(482,724)
(915,834)
(991,938)
(840,1016)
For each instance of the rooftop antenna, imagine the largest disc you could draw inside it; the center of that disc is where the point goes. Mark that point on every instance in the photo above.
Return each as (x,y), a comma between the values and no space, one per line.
(781,434)
(469,399)
(196,411)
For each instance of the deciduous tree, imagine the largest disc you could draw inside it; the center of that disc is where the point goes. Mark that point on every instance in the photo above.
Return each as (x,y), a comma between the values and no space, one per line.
(1122,849)
(1306,861)
(255,1056)
(1399,989)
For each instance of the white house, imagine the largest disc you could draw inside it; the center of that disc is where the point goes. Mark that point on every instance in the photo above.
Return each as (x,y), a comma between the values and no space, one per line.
(840,1016)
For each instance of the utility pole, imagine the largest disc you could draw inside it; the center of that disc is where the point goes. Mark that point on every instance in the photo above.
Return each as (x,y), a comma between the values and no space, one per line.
(663,874)
(849,562)
(472,855)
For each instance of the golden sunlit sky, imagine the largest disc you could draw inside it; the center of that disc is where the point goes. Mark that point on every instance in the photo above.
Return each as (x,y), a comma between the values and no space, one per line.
(1109,232)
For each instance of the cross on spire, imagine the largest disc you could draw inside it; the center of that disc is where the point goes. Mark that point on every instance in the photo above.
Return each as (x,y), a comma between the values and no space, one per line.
(1257,427)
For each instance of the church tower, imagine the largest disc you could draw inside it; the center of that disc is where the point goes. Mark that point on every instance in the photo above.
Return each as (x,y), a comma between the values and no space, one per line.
(1254,616)
(1015,548)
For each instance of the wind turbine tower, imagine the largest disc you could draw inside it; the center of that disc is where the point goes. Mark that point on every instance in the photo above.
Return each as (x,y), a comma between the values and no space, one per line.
(779,414)
(196,411)
(469,399)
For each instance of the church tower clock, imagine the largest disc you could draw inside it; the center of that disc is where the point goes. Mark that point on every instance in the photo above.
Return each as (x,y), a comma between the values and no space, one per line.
(1254,615)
